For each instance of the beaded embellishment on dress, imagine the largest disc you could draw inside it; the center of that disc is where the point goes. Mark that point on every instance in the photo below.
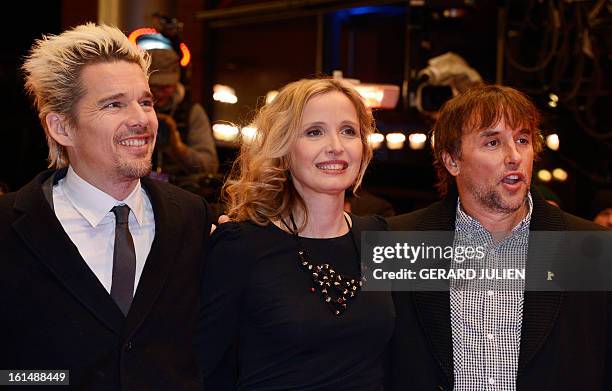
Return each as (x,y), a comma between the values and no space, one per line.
(336,289)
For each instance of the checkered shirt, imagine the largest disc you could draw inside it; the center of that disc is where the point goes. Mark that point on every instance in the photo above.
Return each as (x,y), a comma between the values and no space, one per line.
(487,315)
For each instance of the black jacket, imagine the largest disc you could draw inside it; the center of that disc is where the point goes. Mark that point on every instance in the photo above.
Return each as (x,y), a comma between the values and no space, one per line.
(57,315)
(565,337)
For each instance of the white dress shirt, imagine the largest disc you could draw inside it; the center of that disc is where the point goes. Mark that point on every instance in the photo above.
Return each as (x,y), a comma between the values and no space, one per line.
(487,315)
(85,214)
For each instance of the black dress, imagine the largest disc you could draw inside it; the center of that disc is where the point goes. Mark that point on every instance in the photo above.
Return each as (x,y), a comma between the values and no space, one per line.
(255,294)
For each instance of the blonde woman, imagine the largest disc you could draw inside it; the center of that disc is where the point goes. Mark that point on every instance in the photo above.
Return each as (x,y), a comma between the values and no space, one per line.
(282,281)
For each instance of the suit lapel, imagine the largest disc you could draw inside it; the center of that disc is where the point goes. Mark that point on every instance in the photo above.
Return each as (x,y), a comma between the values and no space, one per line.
(42,233)
(540,309)
(168,228)
(433,308)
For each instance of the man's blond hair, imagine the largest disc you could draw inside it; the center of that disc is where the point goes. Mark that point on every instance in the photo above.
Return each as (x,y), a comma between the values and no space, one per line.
(54,66)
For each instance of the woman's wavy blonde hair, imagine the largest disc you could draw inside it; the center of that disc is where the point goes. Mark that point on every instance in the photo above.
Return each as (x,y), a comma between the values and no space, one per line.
(258,187)
(53,72)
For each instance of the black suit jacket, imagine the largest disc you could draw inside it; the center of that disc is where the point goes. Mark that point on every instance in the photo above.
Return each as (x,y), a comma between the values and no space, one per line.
(565,337)
(57,314)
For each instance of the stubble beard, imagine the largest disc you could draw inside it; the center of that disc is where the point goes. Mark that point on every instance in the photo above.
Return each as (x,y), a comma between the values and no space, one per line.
(492,200)
(135,168)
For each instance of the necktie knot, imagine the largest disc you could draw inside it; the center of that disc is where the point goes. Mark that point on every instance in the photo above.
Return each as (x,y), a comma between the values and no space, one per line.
(122,213)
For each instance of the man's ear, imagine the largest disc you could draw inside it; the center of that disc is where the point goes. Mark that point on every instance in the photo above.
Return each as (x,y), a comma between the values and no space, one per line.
(450,163)
(59,129)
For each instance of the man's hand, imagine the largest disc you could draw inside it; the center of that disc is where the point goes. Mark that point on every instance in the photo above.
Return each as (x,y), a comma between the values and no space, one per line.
(222,219)
(177,146)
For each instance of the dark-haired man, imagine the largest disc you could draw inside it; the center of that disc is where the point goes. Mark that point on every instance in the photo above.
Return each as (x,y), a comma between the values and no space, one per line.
(482,339)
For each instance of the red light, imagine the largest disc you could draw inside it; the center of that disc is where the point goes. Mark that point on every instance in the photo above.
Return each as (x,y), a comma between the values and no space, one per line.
(186,58)
(133,37)
(185,53)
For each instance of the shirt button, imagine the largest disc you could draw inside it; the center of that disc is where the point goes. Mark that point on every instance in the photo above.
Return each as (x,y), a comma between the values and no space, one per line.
(490,336)
(491,381)
(490,293)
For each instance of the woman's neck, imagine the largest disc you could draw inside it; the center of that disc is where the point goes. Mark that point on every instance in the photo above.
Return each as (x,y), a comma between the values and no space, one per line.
(325,217)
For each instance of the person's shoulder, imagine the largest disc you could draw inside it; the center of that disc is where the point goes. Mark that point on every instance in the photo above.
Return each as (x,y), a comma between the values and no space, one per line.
(365,203)
(243,240)
(168,189)
(190,206)
(230,230)
(407,221)
(196,110)
(25,196)
(546,217)
(233,253)
(152,183)
(575,223)
(369,223)
(15,204)
(237,231)
(249,234)
(196,106)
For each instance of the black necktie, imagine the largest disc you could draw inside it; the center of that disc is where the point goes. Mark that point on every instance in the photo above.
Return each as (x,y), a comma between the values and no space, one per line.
(124,260)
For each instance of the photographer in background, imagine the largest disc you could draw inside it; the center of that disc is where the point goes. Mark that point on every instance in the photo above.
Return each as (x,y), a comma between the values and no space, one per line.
(185,144)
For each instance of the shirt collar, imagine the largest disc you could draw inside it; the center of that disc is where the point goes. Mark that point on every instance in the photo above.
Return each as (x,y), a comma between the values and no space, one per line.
(94,204)
(465,221)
